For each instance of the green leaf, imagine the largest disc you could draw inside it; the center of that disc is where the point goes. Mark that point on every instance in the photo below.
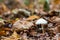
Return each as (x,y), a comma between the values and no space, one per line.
(46,6)
(26,2)
(41,1)
(1,19)
(1,0)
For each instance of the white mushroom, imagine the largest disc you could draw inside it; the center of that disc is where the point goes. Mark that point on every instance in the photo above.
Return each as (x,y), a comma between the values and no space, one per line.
(41,21)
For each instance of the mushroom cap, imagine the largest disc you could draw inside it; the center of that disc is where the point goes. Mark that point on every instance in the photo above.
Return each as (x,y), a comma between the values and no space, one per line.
(41,21)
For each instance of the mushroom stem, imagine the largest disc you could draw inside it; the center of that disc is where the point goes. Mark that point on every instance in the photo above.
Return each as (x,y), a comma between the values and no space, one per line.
(42,28)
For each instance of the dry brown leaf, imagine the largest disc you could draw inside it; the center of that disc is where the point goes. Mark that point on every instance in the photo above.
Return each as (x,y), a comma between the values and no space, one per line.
(33,17)
(15,35)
